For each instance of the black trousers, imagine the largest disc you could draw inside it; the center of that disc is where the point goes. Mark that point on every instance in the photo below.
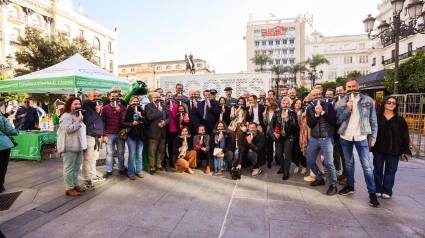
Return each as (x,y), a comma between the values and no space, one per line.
(298,157)
(170,142)
(201,155)
(284,152)
(269,149)
(4,161)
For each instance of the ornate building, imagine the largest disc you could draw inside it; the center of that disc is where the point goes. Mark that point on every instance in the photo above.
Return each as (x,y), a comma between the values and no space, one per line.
(52,16)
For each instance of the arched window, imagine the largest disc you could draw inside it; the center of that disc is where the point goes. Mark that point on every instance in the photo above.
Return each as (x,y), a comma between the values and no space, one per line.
(178,66)
(96,43)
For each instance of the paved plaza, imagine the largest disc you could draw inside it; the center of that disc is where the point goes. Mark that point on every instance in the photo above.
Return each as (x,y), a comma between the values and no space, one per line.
(169,204)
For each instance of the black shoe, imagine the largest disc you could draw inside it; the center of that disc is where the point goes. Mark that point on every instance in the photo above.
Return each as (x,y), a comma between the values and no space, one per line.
(373,200)
(332,190)
(161,169)
(269,164)
(347,190)
(285,176)
(88,184)
(122,172)
(125,170)
(2,189)
(318,183)
(152,171)
(280,171)
(107,175)
(277,162)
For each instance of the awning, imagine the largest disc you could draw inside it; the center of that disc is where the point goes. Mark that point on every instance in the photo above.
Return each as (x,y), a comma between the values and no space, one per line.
(373,88)
(373,79)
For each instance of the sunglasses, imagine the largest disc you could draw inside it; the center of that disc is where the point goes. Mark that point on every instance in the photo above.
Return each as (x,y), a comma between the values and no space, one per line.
(393,103)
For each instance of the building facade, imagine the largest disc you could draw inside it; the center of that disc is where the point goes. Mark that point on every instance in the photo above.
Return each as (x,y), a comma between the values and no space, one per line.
(283,39)
(345,53)
(382,54)
(51,16)
(151,72)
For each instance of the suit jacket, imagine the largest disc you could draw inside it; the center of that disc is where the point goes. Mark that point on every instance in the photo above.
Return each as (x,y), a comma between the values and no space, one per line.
(154,116)
(231,102)
(291,126)
(250,117)
(195,117)
(212,114)
(258,146)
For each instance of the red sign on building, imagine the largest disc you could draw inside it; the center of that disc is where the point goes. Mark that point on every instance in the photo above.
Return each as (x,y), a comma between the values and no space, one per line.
(277,31)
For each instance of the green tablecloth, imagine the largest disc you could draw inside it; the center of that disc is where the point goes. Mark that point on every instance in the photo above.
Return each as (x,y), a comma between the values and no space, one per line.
(30,144)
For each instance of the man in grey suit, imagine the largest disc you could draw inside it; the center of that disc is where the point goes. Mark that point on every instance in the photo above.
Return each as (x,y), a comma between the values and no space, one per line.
(157,116)
(230,102)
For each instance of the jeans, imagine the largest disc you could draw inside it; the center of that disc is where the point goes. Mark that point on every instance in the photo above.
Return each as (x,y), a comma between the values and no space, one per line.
(384,180)
(135,149)
(218,163)
(71,168)
(284,152)
(88,168)
(313,148)
(362,148)
(113,139)
(341,154)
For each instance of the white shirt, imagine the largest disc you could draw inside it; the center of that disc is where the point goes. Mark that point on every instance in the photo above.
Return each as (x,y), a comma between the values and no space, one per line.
(270,116)
(255,111)
(353,127)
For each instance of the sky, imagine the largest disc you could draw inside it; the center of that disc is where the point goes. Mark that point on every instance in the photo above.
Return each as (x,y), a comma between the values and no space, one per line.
(162,30)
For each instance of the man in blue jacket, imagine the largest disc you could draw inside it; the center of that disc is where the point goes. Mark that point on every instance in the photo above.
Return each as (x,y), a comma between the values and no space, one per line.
(210,110)
(195,115)
(94,130)
(27,116)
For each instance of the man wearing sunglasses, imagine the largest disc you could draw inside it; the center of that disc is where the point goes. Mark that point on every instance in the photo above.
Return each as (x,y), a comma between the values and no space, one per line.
(27,116)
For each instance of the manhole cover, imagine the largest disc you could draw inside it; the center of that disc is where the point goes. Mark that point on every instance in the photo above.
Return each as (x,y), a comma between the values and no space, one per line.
(7,200)
(100,162)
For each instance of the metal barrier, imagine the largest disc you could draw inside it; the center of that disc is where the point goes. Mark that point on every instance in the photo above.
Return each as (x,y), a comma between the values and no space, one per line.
(412,108)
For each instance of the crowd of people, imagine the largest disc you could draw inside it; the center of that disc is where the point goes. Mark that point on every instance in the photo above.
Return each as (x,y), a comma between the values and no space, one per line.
(191,133)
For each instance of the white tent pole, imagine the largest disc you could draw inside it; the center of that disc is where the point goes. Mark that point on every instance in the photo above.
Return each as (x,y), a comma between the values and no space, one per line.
(76,93)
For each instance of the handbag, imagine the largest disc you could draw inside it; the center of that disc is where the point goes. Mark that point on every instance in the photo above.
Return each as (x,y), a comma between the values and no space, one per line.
(123,134)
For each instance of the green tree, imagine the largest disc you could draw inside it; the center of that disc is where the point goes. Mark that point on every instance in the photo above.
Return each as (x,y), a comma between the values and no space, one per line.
(300,91)
(315,61)
(341,80)
(354,75)
(12,96)
(297,68)
(278,70)
(36,52)
(261,59)
(326,85)
(411,75)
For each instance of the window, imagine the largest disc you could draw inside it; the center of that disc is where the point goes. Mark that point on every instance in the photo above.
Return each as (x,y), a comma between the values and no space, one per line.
(198,65)
(277,61)
(132,70)
(409,47)
(284,52)
(374,61)
(178,66)
(291,61)
(270,42)
(315,39)
(111,66)
(257,43)
(81,33)
(270,52)
(284,42)
(124,70)
(284,61)
(97,60)
(291,52)
(277,42)
(96,43)
(291,41)
(263,43)
(393,54)
(168,67)
(158,68)
(109,47)
(382,59)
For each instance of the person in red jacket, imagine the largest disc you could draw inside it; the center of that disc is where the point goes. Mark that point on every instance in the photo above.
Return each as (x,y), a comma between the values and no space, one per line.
(111,117)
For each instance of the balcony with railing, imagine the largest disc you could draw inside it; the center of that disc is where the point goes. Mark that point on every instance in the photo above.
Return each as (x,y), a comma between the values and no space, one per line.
(16,17)
(403,56)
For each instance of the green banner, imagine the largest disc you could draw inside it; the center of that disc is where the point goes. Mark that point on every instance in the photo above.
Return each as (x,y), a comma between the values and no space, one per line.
(30,84)
(30,144)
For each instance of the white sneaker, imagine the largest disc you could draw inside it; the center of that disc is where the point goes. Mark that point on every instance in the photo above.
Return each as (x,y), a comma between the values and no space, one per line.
(97,179)
(386,196)
(256,172)
(303,170)
(379,194)
(296,170)
(310,178)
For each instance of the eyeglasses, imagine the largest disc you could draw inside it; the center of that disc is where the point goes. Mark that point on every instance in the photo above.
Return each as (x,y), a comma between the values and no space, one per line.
(26,102)
(393,103)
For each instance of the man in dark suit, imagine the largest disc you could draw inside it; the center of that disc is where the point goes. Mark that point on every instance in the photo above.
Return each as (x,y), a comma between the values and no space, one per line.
(195,115)
(255,113)
(230,101)
(210,110)
(252,150)
(157,116)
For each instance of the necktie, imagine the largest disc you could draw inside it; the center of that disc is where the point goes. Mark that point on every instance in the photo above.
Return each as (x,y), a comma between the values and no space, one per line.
(205,111)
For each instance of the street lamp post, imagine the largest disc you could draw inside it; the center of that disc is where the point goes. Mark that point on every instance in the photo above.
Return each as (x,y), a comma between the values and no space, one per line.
(9,61)
(397,28)
(312,76)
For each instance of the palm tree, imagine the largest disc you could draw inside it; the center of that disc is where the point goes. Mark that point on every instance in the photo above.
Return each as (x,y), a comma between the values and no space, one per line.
(279,70)
(297,68)
(261,59)
(313,63)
